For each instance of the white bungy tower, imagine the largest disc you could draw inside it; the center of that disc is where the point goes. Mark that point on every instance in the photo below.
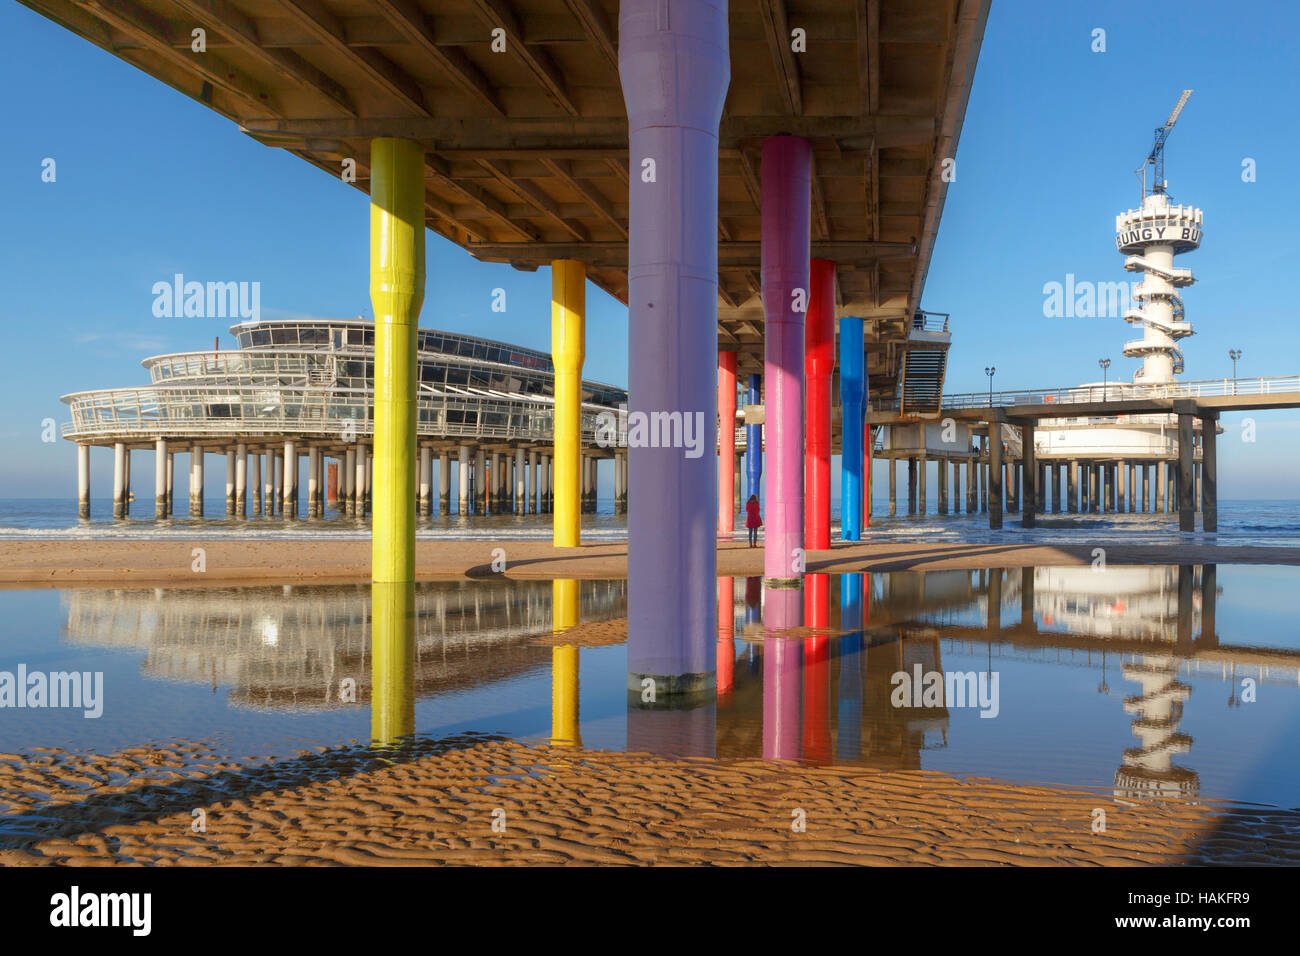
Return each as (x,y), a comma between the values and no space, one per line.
(1150,237)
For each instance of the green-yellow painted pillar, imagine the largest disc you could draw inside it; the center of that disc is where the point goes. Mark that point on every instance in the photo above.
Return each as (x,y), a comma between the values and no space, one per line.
(396,292)
(565,728)
(392,661)
(568,349)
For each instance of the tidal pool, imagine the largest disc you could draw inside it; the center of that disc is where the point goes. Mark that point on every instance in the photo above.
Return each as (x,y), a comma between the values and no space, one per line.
(1144,681)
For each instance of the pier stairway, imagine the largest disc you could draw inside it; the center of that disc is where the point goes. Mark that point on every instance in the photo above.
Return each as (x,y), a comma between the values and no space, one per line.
(925,361)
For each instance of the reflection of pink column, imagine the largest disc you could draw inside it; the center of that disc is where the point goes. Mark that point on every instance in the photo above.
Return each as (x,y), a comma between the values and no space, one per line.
(675,69)
(786,200)
(726,442)
(726,635)
(782,666)
(819,365)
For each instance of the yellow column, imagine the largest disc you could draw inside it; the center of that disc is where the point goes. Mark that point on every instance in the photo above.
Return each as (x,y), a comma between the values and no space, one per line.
(396,292)
(568,349)
(565,729)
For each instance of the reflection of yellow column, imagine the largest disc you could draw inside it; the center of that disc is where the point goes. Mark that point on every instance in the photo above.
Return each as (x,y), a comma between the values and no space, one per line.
(565,730)
(392,661)
(568,349)
(396,292)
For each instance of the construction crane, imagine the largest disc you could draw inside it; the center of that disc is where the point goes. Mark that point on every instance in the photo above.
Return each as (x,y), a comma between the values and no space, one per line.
(1156,158)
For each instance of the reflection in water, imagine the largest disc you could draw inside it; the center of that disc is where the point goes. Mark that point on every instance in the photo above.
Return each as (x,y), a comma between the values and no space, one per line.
(392,661)
(806,674)
(565,729)
(853,615)
(782,664)
(303,648)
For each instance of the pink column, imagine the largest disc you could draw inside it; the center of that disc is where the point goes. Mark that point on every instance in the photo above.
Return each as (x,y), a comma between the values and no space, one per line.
(726,442)
(786,207)
(819,365)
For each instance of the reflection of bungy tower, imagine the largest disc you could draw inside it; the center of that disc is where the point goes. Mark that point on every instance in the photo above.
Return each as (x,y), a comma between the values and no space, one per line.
(1148,770)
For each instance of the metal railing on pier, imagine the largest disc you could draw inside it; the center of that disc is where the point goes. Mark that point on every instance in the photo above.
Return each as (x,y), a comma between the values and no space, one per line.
(1112,392)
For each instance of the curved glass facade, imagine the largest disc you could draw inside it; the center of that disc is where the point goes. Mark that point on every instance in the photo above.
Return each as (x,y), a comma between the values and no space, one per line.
(315,378)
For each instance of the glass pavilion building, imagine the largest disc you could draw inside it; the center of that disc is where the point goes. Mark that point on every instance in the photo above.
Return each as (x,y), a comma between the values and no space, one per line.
(304,388)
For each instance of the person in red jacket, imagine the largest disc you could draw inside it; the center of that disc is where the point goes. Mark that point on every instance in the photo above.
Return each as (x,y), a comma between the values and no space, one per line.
(753,520)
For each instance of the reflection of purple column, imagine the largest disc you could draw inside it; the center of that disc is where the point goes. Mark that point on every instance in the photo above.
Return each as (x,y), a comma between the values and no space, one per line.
(782,674)
(688,727)
(786,202)
(674,64)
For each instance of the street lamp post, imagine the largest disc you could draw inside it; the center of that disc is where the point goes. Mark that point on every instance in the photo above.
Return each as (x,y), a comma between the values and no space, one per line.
(1234,354)
(989,370)
(1105,364)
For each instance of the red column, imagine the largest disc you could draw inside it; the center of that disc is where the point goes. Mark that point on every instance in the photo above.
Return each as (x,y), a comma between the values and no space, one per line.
(726,443)
(819,365)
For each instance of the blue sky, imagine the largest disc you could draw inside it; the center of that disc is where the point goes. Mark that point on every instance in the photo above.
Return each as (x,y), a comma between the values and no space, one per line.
(151,183)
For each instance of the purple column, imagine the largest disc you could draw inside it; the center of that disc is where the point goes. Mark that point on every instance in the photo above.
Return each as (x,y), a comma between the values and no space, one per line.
(674,64)
(786,206)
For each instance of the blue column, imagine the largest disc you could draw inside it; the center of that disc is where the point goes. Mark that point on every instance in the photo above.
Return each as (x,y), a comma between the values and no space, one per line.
(851,355)
(754,441)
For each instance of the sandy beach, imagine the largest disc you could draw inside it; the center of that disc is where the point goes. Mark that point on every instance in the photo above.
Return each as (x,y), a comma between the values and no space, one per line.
(225,561)
(437,803)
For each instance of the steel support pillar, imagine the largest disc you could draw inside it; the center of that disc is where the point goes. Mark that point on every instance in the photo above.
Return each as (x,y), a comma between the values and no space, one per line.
(851,432)
(754,444)
(160,478)
(1029,501)
(1209,473)
(675,70)
(1186,489)
(819,366)
(568,351)
(995,477)
(726,442)
(230,480)
(83,481)
(241,480)
(255,497)
(786,210)
(196,481)
(426,481)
